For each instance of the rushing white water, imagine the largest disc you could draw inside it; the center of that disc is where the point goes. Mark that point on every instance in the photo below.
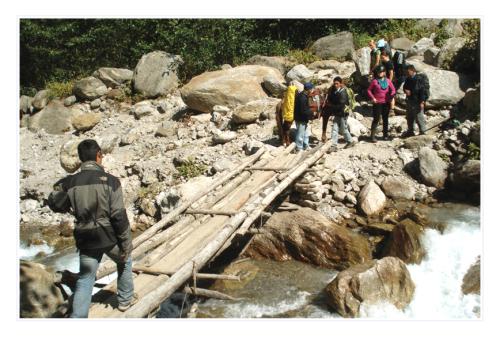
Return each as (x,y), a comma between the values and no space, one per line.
(30,252)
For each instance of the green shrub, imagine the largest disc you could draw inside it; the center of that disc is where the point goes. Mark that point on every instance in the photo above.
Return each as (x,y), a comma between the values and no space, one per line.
(302,57)
(190,169)
(473,152)
(60,89)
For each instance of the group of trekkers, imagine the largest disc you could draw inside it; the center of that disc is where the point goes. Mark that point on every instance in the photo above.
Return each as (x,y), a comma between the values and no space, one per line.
(388,72)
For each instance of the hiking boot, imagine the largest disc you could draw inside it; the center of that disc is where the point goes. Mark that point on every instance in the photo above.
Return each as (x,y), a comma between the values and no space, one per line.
(422,133)
(387,138)
(350,144)
(407,134)
(124,307)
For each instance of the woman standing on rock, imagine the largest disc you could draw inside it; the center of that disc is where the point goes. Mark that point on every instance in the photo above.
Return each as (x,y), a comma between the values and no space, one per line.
(381,91)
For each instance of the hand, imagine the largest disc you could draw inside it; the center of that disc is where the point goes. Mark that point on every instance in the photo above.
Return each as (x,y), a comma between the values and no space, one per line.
(422,105)
(126,251)
(374,100)
(407,92)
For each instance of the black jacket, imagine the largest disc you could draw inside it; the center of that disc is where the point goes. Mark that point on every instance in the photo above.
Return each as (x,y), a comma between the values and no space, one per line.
(417,94)
(302,111)
(337,101)
(95,198)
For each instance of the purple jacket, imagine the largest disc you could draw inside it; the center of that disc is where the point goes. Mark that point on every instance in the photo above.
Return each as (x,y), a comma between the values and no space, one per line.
(382,96)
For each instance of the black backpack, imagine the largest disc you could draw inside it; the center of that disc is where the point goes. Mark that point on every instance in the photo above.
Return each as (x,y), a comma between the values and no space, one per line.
(399,62)
(423,83)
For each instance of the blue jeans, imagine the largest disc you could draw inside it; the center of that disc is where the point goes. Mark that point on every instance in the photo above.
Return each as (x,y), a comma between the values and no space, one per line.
(301,135)
(340,123)
(89,262)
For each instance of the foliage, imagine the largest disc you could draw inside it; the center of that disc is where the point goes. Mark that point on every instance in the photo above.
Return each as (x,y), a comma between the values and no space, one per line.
(59,89)
(473,152)
(302,57)
(468,59)
(189,169)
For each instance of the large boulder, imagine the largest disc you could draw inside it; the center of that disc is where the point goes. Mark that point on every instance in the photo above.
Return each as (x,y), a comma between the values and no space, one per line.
(231,87)
(467,177)
(335,46)
(402,44)
(346,69)
(89,88)
(433,170)
(449,51)
(68,154)
(445,86)
(378,281)
(156,73)
(431,56)
(113,77)
(55,118)
(471,283)
(41,99)
(274,87)
(306,235)
(25,103)
(362,60)
(39,296)
(371,199)
(472,101)
(86,121)
(299,73)
(253,110)
(453,27)
(405,242)
(398,187)
(420,47)
(280,63)
(324,64)
(356,128)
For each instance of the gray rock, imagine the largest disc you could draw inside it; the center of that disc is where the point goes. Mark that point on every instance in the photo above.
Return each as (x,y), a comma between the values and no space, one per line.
(55,118)
(274,87)
(431,56)
(335,46)
(351,198)
(402,44)
(86,121)
(95,103)
(89,88)
(398,187)
(113,77)
(418,141)
(471,283)
(226,66)
(448,52)
(282,64)
(70,100)
(428,24)
(41,99)
(405,242)
(129,138)
(324,64)
(371,199)
(420,47)
(252,146)
(433,169)
(300,73)
(156,73)
(454,27)
(25,104)
(472,101)
(251,112)
(223,137)
(68,156)
(339,196)
(467,177)
(142,109)
(356,128)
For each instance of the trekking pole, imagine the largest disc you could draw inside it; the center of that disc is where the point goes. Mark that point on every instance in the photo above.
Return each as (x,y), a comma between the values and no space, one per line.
(441,123)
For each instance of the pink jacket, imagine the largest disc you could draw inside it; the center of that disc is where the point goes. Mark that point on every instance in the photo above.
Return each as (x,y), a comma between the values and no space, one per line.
(382,96)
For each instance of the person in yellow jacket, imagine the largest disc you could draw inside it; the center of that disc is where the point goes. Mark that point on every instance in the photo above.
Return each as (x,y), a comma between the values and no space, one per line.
(287,108)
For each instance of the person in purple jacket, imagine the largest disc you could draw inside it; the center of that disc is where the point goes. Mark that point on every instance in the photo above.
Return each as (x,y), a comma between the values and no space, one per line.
(381,91)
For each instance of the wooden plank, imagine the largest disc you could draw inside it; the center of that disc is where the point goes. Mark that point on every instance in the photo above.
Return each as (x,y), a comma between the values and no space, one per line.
(209,212)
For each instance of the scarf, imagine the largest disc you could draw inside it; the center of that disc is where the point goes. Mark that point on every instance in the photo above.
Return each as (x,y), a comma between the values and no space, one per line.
(383,83)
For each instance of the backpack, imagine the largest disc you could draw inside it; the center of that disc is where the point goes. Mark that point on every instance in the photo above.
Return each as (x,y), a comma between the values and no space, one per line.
(288,106)
(423,83)
(399,62)
(352,101)
(386,48)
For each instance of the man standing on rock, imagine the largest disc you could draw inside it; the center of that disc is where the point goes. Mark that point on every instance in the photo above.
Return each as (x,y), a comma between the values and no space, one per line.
(102,227)
(302,115)
(337,102)
(415,88)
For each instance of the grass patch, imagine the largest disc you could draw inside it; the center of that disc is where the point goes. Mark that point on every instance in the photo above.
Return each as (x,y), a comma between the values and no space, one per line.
(60,89)
(302,57)
(189,169)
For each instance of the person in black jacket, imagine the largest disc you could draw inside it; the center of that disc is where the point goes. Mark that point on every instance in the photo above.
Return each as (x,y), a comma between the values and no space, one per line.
(337,102)
(102,227)
(302,114)
(415,102)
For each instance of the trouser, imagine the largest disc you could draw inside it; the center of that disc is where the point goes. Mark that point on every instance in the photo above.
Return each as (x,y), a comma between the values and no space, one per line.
(89,262)
(399,81)
(301,136)
(340,123)
(325,118)
(285,127)
(378,111)
(415,113)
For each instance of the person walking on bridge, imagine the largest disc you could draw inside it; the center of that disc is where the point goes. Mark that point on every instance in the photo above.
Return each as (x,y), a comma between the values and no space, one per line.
(95,198)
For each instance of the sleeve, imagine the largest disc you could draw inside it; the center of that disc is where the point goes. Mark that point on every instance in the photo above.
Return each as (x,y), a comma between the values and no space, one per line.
(304,107)
(118,217)
(58,200)
(370,89)
(392,89)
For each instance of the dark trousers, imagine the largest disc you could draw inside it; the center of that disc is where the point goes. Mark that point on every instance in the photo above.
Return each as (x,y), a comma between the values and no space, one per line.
(381,110)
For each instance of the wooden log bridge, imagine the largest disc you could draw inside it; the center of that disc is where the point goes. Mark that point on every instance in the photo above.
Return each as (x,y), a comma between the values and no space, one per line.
(169,255)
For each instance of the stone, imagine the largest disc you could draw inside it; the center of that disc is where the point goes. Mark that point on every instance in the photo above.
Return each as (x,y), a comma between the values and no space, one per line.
(472,101)
(68,156)
(252,146)
(335,46)
(379,228)
(405,242)
(351,198)
(233,87)
(226,66)
(39,295)
(449,51)
(89,88)
(471,283)
(55,118)
(339,196)
(142,109)
(95,103)
(433,169)
(346,69)
(398,187)
(113,77)
(274,87)
(165,132)
(420,47)
(282,64)
(86,121)
(306,235)
(356,128)
(116,94)
(25,103)
(70,100)
(418,141)
(467,177)
(362,60)
(384,280)
(371,199)
(223,137)
(149,207)
(41,99)
(156,73)
(402,44)
(324,65)
(428,24)
(250,112)
(299,73)
(431,56)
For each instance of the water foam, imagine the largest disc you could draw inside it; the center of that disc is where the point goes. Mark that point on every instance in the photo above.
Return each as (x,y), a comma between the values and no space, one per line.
(30,252)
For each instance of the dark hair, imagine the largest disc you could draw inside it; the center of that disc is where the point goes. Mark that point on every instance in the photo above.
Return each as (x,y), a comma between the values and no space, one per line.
(384,53)
(411,68)
(87,150)
(339,79)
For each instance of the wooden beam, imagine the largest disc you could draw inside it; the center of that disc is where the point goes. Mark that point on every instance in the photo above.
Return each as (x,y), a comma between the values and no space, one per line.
(201,292)
(209,212)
